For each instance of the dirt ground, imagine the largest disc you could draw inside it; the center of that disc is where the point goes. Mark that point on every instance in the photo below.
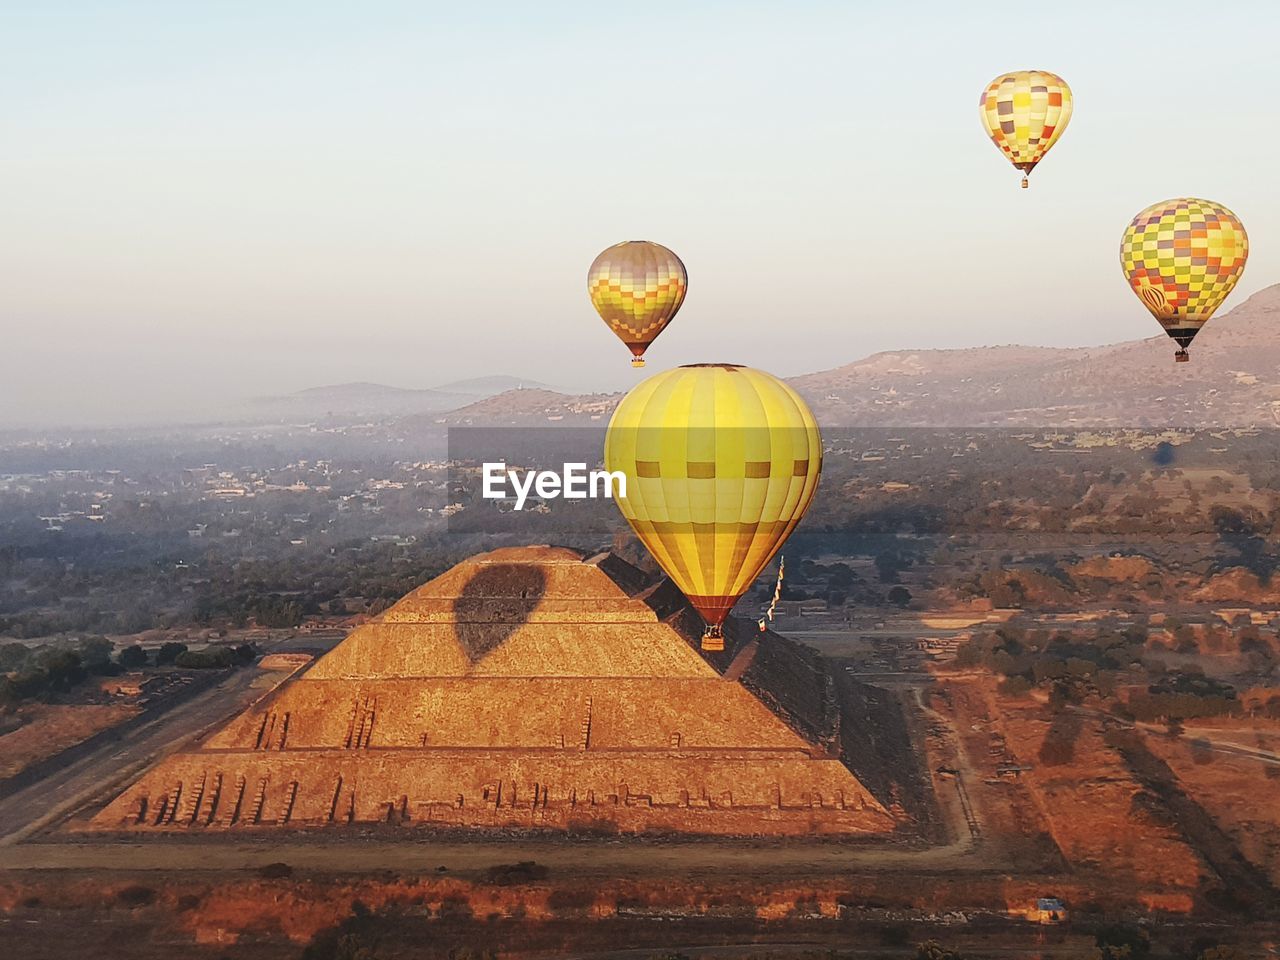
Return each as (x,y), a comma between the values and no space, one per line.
(49,729)
(530,911)
(1015,820)
(1095,809)
(1240,793)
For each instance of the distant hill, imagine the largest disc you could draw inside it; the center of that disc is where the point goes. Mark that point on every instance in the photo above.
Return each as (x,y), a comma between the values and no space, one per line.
(379,399)
(354,399)
(535,406)
(488,386)
(1233,379)
(358,393)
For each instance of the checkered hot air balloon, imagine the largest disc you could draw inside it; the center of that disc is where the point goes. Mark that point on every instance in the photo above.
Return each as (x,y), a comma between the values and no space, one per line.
(1025,112)
(637,287)
(721,463)
(1182,258)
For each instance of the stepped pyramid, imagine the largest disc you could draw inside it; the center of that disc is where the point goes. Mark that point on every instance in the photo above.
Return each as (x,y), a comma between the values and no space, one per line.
(530,688)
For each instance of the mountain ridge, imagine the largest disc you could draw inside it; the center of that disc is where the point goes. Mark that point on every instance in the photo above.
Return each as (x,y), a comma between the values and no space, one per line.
(1233,379)
(362,397)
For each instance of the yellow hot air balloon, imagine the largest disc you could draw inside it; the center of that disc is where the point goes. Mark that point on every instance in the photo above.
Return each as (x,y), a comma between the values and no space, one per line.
(637,287)
(1183,257)
(721,463)
(1025,112)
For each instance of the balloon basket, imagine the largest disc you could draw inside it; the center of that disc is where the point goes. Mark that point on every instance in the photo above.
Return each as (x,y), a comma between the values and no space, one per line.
(637,361)
(713,639)
(1025,183)
(1182,357)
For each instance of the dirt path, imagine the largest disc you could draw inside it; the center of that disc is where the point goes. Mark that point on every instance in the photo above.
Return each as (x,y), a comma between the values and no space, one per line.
(417,853)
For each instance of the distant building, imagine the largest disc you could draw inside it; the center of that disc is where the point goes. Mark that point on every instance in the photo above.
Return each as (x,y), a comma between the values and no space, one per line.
(228,493)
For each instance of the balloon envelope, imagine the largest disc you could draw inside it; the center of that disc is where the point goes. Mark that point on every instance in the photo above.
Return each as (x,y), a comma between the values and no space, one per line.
(637,287)
(1025,113)
(1182,257)
(721,463)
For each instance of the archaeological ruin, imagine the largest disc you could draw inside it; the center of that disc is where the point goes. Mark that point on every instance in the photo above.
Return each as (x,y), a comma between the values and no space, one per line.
(532,688)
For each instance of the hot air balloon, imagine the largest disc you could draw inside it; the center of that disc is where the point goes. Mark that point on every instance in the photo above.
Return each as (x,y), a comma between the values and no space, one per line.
(1025,112)
(637,287)
(1183,257)
(721,463)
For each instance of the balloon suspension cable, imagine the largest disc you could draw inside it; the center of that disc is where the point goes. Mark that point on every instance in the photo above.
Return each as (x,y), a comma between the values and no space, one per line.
(1182,357)
(777,595)
(637,361)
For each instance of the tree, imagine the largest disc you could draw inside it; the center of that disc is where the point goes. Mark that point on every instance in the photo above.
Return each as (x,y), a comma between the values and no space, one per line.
(1231,522)
(13,656)
(888,565)
(899,596)
(210,658)
(1121,942)
(132,657)
(63,670)
(355,938)
(1015,686)
(277,612)
(95,654)
(169,652)
(245,653)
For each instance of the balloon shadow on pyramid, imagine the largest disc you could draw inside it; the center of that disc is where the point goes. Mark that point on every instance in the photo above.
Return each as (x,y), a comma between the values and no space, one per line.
(494,604)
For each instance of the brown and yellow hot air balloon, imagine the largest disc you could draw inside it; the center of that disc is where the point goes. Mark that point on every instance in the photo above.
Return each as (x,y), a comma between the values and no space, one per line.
(1182,258)
(1025,112)
(637,287)
(721,462)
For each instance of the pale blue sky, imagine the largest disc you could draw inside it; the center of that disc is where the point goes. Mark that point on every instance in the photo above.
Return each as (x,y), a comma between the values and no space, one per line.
(221,199)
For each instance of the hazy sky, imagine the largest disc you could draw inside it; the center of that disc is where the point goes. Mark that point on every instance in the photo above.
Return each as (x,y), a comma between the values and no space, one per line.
(218,199)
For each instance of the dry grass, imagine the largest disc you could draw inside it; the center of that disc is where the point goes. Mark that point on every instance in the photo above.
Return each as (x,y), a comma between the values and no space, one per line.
(50,729)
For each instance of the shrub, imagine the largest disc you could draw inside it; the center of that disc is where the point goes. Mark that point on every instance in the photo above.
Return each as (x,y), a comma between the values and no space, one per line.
(933,950)
(211,658)
(169,652)
(136,896)
(132,657)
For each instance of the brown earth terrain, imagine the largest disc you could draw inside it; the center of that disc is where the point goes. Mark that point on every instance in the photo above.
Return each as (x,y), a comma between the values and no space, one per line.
(48,729)
(1098,812)
(1233,789)
(977,802)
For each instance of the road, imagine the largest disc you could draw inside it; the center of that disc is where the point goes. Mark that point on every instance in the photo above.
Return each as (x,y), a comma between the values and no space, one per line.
(374,850)
(105,771)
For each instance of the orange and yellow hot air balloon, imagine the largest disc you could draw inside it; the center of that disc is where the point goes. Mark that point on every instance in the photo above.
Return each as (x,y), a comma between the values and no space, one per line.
(1025,112)
(637,287)
(1182,258)
(721,462)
